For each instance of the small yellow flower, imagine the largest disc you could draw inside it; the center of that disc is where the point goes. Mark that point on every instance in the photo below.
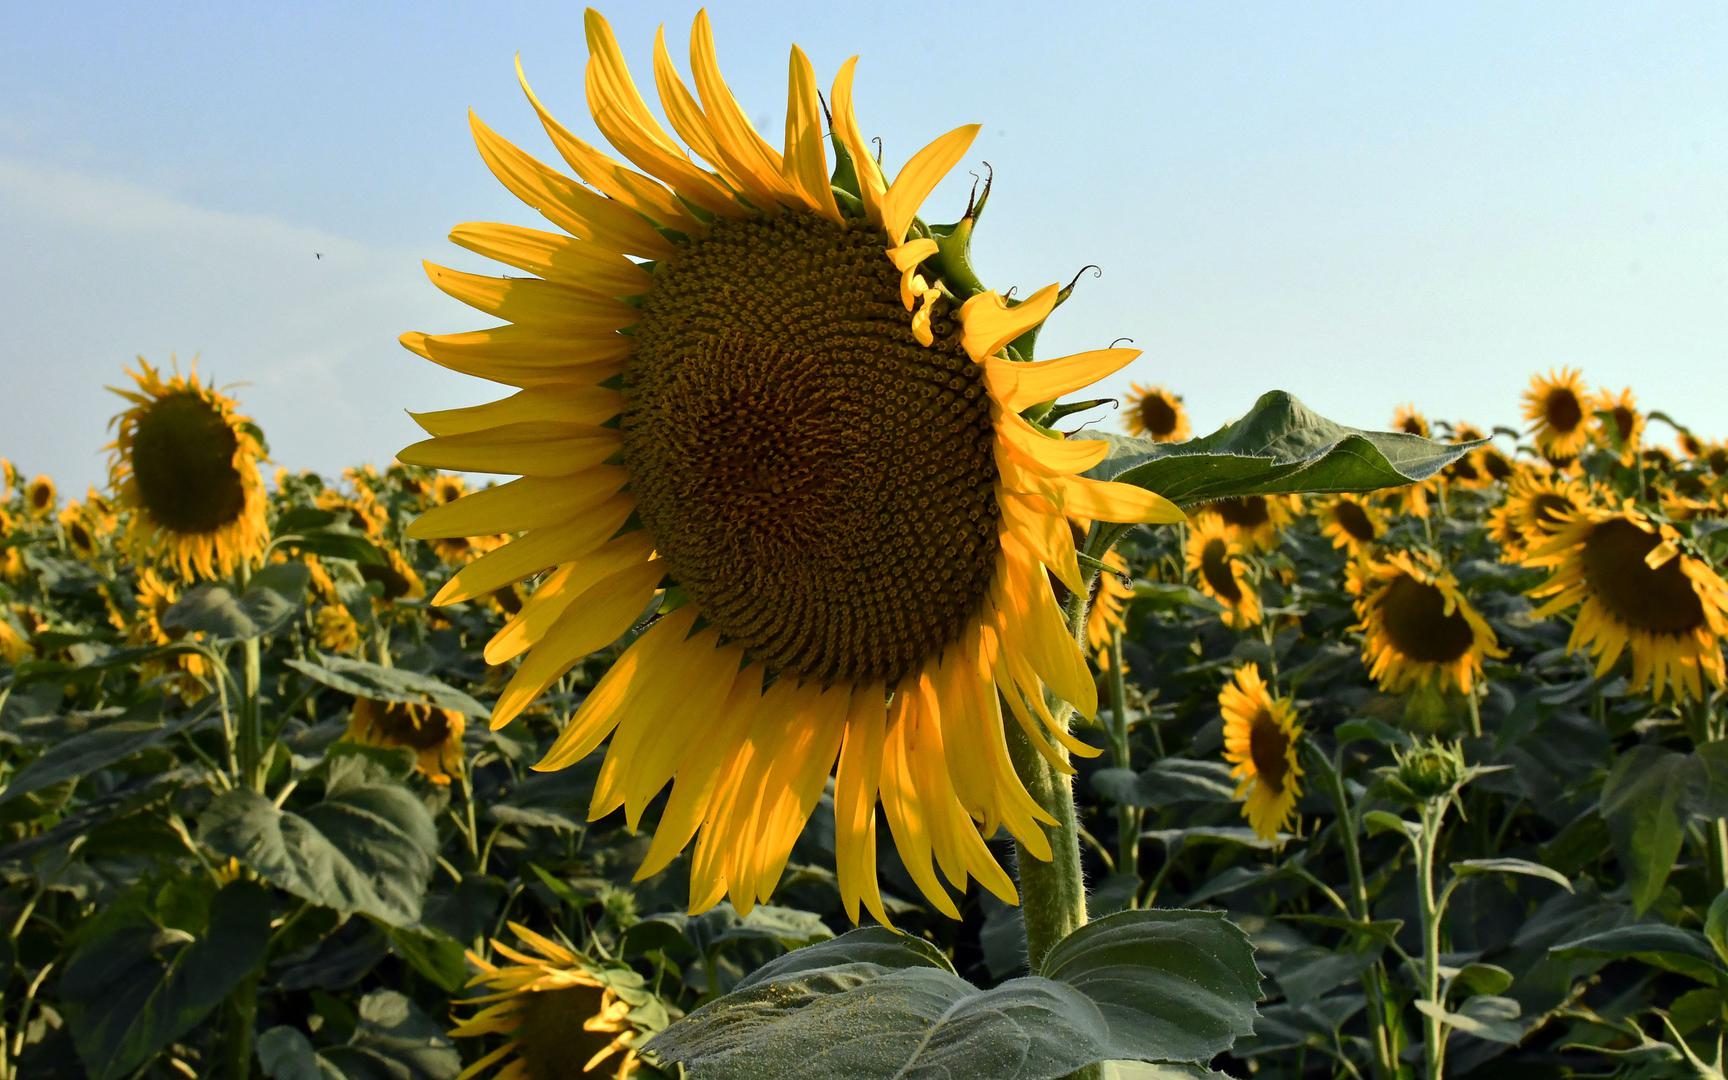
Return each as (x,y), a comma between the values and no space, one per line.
(1352,523)
(76,527)
(337,630)
(1260,738)
(1157,414)
(40,498)
(434,734)
(1406,419)
(1216,561)
(1559,411)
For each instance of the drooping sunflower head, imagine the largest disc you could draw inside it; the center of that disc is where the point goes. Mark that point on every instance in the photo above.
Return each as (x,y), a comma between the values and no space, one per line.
(1558,408)
(1219,565)
(1257,522)
(564,1014)
(1261,733)
(1405,418)
(1690,444)
(1418,629)
(1156,414)
(1108,613)
(812,429)
(360,512)
(1352,523)
(1622,426)
(40,497)
(1638,590)
(433,734)
(185,463)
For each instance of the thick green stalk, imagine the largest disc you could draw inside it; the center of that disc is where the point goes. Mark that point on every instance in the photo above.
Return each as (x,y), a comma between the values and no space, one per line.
(1433,1031)
(251,716)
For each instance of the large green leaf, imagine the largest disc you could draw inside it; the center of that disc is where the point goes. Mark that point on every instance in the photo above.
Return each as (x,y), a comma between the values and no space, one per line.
(1672,948)
(394,1040)
(96,748)
(1136,986)
(1169,780)
(361,679)
(271,598)
(1640,802)
(1280,447)
(367,847)
(132,986)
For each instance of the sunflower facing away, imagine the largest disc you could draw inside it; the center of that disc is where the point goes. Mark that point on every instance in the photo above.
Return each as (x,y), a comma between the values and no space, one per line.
(1640,593)
(1352,524)
(1157,414)
(1108,613)
(1558,409)
(809,434)
(1260,735)
(1417,627)
(185,462)
(434,734)
(564,1014)
(1218,565)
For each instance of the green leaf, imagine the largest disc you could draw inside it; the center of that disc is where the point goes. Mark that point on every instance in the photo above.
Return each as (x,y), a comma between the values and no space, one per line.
(96,748)
(1480,978)
(1384,821)
(1671,948)
(316,532)
(393,1039)
(1640,803)
(1470,867)
(1280,447)
(1170,780)
(132,986)
(1487,1017)
(439,958)
(367,847)
(271,598)
(1139,985)
(1716,926)
(361,679)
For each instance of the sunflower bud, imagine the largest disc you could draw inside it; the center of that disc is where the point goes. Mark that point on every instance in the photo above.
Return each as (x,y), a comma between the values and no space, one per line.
(1430,770)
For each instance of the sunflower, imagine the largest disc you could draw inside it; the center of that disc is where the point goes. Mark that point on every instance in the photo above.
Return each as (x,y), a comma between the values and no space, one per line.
(1495,465)
(447,489)
(462,550)
(185,462)
(1216,561)
(1260,734)
(13,646)
(1157,414)
(1538,504)
(40,498)
(1640,591)
(812,429)
(1558,409)
(563,1013)
(1108,613)
(11,556)
(360,513)
(1405,418)
(336,629)
(8,479)
(76,527)
(1256,522)
(1467,471)
(1622,427)
(1352,524)
(396,579)
(184,672)
(434,734)
(1691,445)
(1417,627)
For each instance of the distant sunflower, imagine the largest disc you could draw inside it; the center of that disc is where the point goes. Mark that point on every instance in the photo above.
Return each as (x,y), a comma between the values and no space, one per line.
(1558,409)
(1495,465)
(1352,523)
(434,734)
(8,479)
(1623,429)
(11,557)
(1217,561)
(336,629)
(1260,736)
(395,577)
(1406,419)
(183,672)
(1639,591)
(359,512)
(810,433)
(76,527)
(1108,613)
(40,498)
(1691,445)
(447,489)
(564,1014)
(1157,414)
(462,550)
(1467,471)
(1257,522)
(1539,503)
(13,646)
(1417,627)
(185,462)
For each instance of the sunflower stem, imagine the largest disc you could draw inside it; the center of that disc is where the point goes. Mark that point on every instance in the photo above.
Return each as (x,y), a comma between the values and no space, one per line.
(1433,1029)
(1127,817)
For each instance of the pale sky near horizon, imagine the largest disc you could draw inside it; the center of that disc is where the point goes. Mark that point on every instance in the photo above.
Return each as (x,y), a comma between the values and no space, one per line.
(1363,205)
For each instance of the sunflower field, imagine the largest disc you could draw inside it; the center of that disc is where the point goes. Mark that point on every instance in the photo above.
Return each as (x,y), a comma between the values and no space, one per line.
(819,692)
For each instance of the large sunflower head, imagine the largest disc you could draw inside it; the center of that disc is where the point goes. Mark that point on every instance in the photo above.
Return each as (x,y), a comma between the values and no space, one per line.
(40,497)
(1157,414)
(1219,566)
(1622,426)
(564,1014)
(1352,523)
(1637,590)
(1418,629)
(185,463)
(1558,408)
(1109,611)
(1260,740)
(434,734)
(1257,522)
(812,428)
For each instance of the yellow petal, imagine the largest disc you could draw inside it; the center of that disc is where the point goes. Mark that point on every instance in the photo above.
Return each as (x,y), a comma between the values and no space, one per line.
(919,178)
(1017,385)
(568,403)
(1106,500)
(539,448)
(531,301)
(563,587)
(556,257)
(1044,531)
(988,322)
(872,186)
(1050,453)
(804,165)
(531,502)
(747,155)
(857,778)
(647,658)
(536,551)
(523,356)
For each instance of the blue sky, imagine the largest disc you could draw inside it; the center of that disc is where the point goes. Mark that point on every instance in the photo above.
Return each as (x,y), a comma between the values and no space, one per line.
(1360,204)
